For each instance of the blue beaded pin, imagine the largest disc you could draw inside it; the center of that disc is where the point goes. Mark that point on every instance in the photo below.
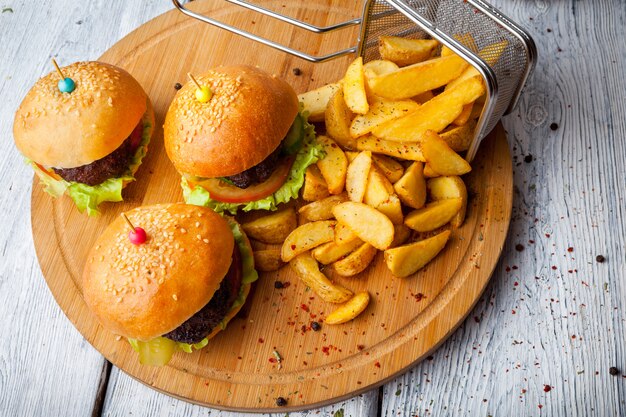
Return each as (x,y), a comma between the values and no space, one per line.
(66,85)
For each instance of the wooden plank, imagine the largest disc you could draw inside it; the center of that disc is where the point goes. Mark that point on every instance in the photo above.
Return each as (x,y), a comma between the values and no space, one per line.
(535,325)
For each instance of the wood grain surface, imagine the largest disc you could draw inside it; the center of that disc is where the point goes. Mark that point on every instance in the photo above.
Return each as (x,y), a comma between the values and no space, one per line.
(496,363)
(408,318)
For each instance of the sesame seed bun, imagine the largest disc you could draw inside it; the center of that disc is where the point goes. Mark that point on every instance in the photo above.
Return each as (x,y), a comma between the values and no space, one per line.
(144,291)
(68,130)
(245,120)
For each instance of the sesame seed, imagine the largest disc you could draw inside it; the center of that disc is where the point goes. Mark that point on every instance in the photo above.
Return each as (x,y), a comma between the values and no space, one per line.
(199,237)
(205,240)
(175,297)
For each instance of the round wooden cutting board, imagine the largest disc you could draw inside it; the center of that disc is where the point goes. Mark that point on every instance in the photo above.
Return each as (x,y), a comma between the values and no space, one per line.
(407,319)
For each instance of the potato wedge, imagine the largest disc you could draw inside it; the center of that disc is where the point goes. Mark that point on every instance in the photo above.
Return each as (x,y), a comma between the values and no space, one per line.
(331,252)
(435,114)
(306,237)
(369,224)
(267,260)
(381,111)
(403,150)
(490,53)
(392,208)
(424,97)
(378,188)
(459,137)
(407,260)
(315,187)
(343,234)
(315,101)
(351,155)
(309,273)
(350,310)
(380,67)
(392,169)
(401,235)
(333,166)
(354,87)
(356,262)
(433,215)
(418,78)
(405,51)
(429,172)
(441,158)
(337,119)
(411,188)
(273,228)
(442,188)
(464,116)
(357,175)
(322,209)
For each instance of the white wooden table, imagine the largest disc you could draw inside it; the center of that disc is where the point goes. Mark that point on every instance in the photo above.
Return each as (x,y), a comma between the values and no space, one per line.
(539,342)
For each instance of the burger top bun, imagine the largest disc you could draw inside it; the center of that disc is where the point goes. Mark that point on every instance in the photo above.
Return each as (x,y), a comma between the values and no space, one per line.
(144,291)
(67,130)
(245,120)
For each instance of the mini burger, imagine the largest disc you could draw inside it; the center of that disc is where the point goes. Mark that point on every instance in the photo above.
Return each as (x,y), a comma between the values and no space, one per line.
(89,142)
(247,146)
(174,289)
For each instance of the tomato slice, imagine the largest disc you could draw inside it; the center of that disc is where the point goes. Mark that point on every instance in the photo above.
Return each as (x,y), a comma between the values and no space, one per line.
(227,193)
(48,172)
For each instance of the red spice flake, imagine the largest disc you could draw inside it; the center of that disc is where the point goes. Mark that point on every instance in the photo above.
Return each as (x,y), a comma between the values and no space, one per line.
(304,307)
(532,242)
(512,311)
(507,269)
(293,247)
(547,234)
(547,388)
(360,347)
(554,267)
(540,406)
(418,297)
(584,283)
(514,267)
(272,360)
(261,340)
(377,364)
(286,284)
(515,284)
(326,350)
(570,249)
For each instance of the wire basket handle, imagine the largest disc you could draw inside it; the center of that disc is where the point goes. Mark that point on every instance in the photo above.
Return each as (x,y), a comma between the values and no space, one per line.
(286,19)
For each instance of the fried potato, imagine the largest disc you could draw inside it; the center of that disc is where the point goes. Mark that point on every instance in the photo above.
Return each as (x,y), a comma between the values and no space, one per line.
(331,251)
(464,116)
(424,97)
(418,78)
(315,101)
(315,187)
(401,235)
(369,224)
(405,51)
(308,271)
(434,115)
(357,175)
(433,215)
(380,112)
(380,67)
(378,188)
(350,310)
(337,119)
(407,260)
(403,150)
(343,234)
(267,260)
(429,172)
(322,209)
(273,228)
(392,169)
(466,39)
(490,53)
(442,188)
(354,87)
(351,155)
(306,237)
(356,262)
(392,208)
(411,188)
(333,166)
(441,158)
(459,138)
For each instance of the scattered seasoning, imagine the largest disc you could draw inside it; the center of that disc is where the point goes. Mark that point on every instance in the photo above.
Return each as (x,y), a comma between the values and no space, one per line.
(613,371)
(600,259)
(519,247)
(279,359)
(316,326)
(554,126)
(7,10)
(570,249)
(338,413)
(297,71)
(278,285)
(281,401)
(178,86)
(528,158)
(547,388)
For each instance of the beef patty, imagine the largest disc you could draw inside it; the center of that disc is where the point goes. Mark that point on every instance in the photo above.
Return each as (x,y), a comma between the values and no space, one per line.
(111,166)
(201,324)
(258,173)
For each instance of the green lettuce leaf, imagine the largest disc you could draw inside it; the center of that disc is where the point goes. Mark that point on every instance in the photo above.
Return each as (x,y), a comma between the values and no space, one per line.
(309,154)
(87,197)
(159,351)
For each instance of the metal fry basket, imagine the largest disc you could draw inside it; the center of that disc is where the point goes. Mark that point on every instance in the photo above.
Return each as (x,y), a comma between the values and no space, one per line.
(468,27)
